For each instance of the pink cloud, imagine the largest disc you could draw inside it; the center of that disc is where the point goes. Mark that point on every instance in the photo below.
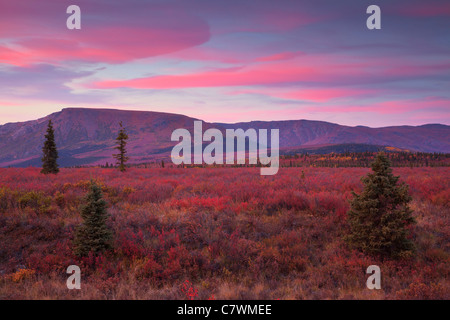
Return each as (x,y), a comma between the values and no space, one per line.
(12,57)
(280,56)
(9,103)
(314,95)
(203,53)
(43,37)
(218,78)
(311,69)
(256,74)
(97,45)
(325,94)
(385,107)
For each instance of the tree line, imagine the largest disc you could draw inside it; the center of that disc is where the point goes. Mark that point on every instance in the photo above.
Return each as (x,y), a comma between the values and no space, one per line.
(364,159)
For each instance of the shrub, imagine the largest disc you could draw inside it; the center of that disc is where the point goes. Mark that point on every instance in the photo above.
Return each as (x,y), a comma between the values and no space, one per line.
(22,274)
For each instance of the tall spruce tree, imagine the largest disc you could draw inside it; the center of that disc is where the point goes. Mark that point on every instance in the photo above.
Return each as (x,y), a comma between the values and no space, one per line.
(121,140)
(93,235)
(50,153)
(379,216)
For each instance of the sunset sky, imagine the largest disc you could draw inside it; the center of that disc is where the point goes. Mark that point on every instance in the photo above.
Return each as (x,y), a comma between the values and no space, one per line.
(229,61)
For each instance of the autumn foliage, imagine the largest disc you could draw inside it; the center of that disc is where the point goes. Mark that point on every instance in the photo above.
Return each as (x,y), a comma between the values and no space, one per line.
(227,233)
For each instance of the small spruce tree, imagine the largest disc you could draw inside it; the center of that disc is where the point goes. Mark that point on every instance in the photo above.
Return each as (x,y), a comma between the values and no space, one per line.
(121,147)
(93,235)
(379,216)
(50,153)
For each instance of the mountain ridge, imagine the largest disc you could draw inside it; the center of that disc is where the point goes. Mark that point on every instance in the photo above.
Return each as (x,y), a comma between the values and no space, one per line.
(85,136)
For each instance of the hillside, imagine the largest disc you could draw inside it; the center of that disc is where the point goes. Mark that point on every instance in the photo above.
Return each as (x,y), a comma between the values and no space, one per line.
(86,136)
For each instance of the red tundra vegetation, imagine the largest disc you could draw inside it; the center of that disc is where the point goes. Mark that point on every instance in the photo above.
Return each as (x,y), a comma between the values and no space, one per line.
(226,233)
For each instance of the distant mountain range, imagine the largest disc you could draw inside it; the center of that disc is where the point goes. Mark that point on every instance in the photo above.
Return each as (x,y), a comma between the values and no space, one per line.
(87,136)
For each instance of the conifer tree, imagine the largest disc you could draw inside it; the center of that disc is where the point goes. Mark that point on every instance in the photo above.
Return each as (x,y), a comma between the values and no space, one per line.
(379,217)
(121,147)
(50,153)
(93,234)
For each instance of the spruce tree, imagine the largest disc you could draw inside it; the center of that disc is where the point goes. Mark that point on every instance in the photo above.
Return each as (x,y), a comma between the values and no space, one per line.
(379,217)
(121,147)
(50,153)
(93,235)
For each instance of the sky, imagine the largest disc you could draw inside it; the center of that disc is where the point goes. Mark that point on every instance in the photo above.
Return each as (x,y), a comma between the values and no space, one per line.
(229,61)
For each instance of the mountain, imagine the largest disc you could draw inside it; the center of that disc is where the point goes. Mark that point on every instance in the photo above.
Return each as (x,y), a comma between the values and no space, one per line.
(87,136)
